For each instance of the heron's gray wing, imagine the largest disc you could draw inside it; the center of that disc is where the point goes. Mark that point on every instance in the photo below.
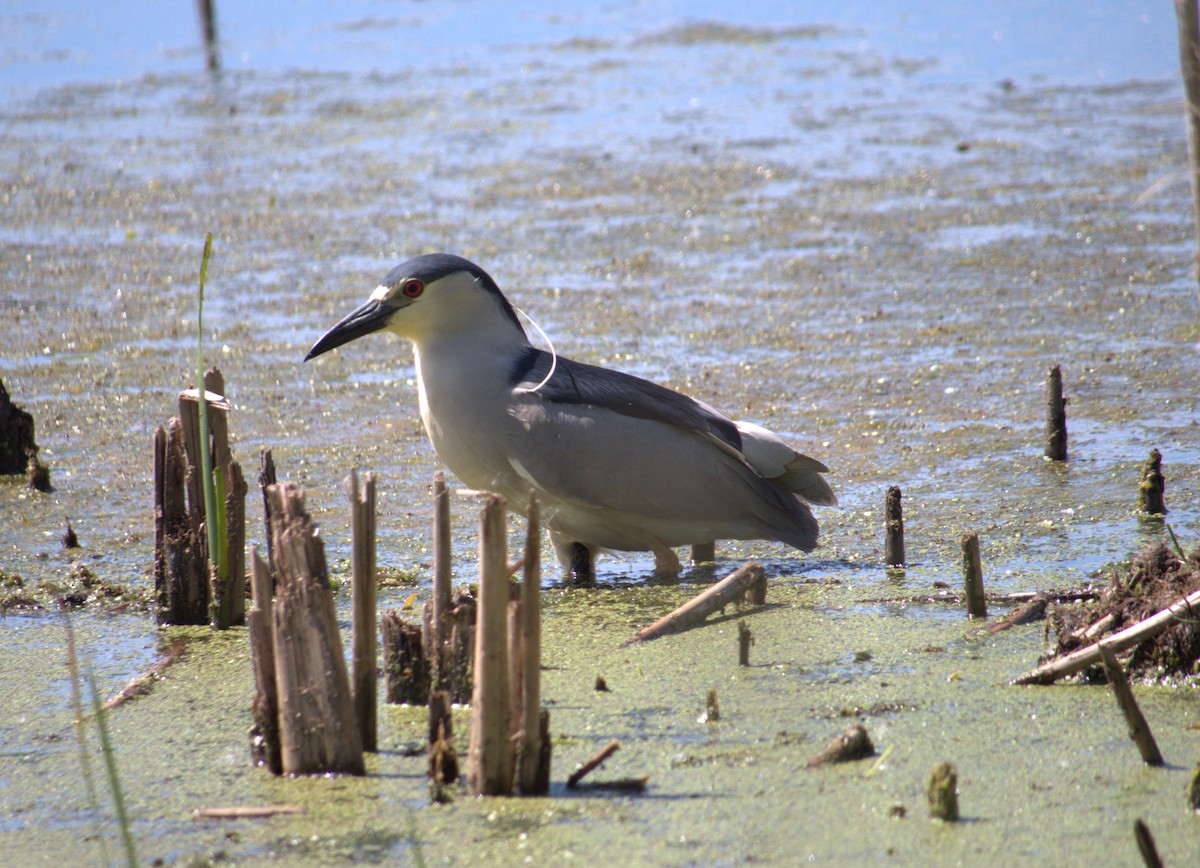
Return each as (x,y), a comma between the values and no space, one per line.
(577,383)
(648,469)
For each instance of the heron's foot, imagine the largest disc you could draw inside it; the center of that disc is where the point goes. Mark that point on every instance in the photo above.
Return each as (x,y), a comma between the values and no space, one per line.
(666,562)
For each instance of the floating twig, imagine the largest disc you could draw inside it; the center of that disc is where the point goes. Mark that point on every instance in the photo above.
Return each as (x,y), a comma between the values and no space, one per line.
(247,812)
(704,604)
(853,744)
(1148,628)
(1032,611)
(141,685)
(594,763)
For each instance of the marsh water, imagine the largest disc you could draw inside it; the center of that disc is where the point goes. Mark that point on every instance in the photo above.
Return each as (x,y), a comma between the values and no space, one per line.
(871,229)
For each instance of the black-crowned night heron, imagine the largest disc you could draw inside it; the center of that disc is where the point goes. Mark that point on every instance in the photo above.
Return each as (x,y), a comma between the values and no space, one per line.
(616,462)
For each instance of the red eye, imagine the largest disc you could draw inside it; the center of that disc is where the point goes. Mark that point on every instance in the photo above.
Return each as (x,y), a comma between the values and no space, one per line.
(412,288)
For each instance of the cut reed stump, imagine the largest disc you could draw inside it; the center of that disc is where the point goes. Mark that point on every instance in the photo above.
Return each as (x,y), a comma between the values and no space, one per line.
(264,735)
(318,729)
(745,640)
(490,756)
(362,624)
(1139,730)
(443,757)
(16,435)
(533,752)
(943,793)
(405,666)
(973,576)
(1056,416)
(180,559)
(704,604)
(188,589)
(1152,489)
(440,604)
(893,546)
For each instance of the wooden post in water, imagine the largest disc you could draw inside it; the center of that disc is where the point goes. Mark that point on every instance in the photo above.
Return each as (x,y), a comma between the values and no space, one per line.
(1188,18)
(533,755)
(443,758)
(893,546)
(972,566)
(490,756)
(226,595)
(1056,416)
(405,664)
(745,640)
(317,723)
(362,624)
(180,568)
(442,568)
(264,737)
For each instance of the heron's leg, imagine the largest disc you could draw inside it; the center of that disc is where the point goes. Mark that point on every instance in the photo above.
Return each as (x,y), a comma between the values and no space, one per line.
(582,567)
(666,561)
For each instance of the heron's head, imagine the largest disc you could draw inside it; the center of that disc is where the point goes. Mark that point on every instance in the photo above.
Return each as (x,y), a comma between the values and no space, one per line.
(435,294)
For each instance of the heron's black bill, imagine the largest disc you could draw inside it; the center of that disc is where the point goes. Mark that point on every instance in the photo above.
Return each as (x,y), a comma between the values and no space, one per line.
(371,317)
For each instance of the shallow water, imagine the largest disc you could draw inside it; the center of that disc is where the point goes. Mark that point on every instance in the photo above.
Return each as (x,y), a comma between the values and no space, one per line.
(871,230)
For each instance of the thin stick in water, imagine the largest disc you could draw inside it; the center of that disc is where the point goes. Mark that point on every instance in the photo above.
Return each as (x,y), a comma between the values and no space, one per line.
(1139,730)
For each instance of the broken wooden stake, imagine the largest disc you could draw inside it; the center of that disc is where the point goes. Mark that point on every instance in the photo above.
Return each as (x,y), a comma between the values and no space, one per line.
(443,757)
(188,589)
(364,678)
(317,725)
(490,754)
(1139,730)
(745,640)
(405,666)
(264,735)
(893,546)
(973,576)
(442,570)
(533,757)
(704,604)
(1056,416)
(943,793)
(712,710)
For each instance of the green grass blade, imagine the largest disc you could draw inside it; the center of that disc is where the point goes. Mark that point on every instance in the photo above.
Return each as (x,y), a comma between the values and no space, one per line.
(110,764)
(206,468)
